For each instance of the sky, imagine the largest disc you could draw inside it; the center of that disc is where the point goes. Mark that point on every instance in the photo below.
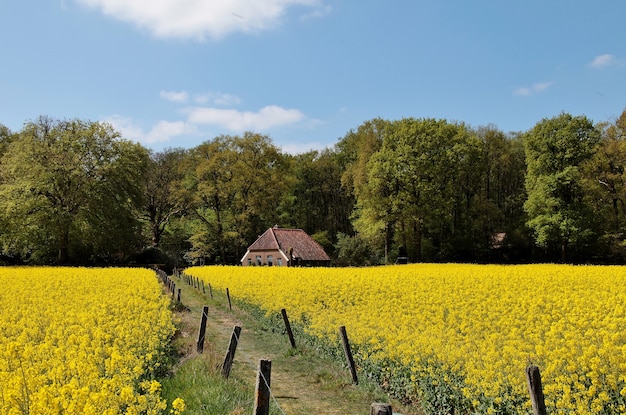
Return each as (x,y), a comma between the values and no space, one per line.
(176,73)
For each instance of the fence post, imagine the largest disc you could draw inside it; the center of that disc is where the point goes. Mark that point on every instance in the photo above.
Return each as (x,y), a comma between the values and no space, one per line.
(230,352)
(202,331)
(536,390)
(230,306)
(348,353)
(380,409)
(288,328)
(262,396)
(178,298)
(210,291)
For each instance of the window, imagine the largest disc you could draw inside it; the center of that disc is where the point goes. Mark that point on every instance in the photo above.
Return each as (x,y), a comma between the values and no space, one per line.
(279,262)
(258,259)
(249,261)
(270,260)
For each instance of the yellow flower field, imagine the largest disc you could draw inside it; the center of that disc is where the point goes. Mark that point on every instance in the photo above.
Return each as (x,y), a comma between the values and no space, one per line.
(81,341)
(459,337)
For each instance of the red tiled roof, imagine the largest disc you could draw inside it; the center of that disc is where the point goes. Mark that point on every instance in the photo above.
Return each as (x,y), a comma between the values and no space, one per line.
(304,247)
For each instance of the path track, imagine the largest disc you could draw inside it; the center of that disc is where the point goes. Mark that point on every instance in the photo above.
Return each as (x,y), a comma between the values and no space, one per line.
(300,384)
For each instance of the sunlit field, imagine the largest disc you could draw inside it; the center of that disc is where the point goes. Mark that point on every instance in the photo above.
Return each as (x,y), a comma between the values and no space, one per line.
(81,341)
(457,338)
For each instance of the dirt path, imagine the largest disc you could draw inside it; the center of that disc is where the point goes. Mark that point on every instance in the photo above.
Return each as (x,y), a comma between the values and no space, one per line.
(301,381)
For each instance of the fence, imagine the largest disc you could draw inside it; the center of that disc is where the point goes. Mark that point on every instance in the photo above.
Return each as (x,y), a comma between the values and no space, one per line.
(263,394)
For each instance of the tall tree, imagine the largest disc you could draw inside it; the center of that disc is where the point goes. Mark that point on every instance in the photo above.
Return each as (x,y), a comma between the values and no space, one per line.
(605,175)
(411,185)
(557,210)
(320,203)
(353,154)
(163,198)
(238,185)
(63,180)
(500,210)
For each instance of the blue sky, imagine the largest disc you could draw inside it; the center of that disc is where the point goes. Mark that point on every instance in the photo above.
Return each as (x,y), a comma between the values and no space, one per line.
(175,73)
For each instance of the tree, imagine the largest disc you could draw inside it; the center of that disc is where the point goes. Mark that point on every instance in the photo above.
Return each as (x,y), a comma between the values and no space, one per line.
(320,202)
(500,208)
(238,184)
(353,154)
(555,150)
(163,198)
(70,183)
(412,184)
(605,180)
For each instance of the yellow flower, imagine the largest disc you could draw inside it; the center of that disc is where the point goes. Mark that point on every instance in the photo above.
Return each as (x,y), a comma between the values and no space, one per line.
(178,406)
(469,328)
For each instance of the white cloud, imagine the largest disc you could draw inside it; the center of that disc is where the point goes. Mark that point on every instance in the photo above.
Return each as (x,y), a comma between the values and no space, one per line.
(173,96)
(199,19)
(162,131)
(602,61)
(533,89)
(217,98)
(606,60)
(231,119)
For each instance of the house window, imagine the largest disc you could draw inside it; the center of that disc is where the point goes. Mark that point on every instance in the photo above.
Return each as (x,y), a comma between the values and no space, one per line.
(279,262)
(249,261)
(258,259)
(270,260)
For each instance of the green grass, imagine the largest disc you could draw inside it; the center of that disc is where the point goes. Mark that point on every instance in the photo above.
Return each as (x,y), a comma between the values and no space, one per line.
(201,386)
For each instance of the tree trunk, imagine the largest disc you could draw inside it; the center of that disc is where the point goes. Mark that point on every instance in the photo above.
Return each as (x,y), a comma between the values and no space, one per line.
(64,239)
(417,231)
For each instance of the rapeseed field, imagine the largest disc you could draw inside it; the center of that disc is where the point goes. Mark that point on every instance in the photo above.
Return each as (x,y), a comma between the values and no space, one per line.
(82,341)
(457,338)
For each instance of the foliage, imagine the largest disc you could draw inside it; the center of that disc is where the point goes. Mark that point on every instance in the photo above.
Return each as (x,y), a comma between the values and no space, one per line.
(164,198)
(70,185)
(75,192)
(555,150)
(237,185)
(67,348)
(458,337)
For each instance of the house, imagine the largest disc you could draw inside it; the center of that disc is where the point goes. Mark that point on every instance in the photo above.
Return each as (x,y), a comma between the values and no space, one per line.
(285,247)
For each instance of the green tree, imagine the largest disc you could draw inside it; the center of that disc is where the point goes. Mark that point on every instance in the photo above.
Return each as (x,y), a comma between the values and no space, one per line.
(499,210)
(320,202)
(353,154)
(605,175)
(413,183)
(238,184)
(163,198)
(557,210)
(70,184)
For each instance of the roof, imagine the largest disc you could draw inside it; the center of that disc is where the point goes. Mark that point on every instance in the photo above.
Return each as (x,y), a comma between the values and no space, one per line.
(304,247)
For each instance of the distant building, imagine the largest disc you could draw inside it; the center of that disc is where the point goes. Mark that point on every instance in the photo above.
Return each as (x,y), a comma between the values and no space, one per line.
(285,247)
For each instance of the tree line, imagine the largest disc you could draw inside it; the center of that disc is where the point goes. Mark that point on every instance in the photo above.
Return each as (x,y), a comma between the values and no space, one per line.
(76,192)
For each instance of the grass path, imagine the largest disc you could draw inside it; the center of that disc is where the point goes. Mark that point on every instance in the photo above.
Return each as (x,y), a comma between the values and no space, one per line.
(302,380)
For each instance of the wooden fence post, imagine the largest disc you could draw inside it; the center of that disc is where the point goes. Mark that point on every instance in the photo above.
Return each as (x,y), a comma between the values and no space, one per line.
(202,331)
(230,352)
(230,306)
(210,291)
(536,390)
(178,298)
(348,352)
(380,409)
(262,395)
(288,328)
